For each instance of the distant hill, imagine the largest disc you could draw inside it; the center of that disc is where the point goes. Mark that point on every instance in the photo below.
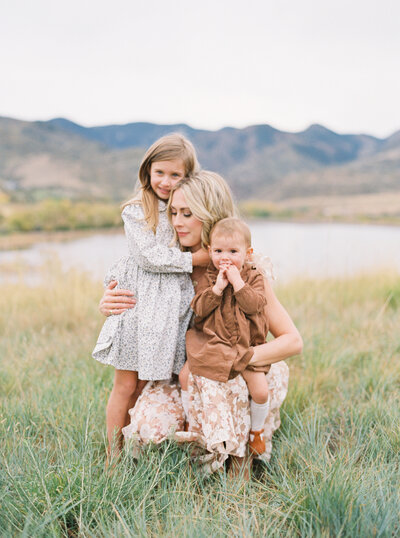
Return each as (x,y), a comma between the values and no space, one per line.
(61,158)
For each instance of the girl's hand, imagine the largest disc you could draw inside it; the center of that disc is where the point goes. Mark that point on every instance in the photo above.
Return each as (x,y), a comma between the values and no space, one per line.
(221,282)
(116,301)
(233,275)
(200,258)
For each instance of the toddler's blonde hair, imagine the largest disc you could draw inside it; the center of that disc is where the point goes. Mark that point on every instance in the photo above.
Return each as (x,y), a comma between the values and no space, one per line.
(231,226)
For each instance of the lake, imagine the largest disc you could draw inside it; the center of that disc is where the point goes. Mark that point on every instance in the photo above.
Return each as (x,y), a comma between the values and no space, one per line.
(296,250)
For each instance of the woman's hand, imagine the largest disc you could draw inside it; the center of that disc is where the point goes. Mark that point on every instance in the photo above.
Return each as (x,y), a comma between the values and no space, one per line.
(116,301)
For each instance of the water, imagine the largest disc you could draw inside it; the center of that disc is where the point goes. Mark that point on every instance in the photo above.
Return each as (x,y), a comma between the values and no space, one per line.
(310,250)
(321,250)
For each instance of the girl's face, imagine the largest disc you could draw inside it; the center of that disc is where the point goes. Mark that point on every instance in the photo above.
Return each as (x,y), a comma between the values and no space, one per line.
(185,223)
(164,175)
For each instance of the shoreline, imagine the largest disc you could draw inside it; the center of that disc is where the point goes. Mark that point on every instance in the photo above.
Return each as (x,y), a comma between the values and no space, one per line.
(25,240)
(395,223)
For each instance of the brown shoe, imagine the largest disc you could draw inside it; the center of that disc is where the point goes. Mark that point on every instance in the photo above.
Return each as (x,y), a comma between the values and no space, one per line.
(257,442)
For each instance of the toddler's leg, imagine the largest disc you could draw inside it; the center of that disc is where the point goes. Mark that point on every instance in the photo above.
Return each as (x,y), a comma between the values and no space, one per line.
(258,386)
(183,380)
(259,408)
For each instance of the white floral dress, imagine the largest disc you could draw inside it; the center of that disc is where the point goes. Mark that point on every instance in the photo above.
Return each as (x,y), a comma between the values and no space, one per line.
(149,338)
(219,416)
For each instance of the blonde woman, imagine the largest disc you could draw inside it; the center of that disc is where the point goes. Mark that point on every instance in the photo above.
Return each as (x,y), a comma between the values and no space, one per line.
(219,417)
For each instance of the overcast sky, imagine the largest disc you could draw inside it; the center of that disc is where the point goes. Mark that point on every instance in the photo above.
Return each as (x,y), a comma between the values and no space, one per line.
(208,63)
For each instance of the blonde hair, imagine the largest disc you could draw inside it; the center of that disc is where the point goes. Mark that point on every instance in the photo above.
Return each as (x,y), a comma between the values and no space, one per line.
(231,226)
(209,199)
(168,148)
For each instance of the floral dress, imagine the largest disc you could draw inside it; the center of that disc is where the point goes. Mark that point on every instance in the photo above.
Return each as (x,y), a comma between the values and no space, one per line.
(150,338)
(219,416)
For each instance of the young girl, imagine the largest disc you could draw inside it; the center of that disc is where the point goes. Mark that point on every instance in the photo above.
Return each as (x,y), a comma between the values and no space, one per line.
(230,317)
(148,341)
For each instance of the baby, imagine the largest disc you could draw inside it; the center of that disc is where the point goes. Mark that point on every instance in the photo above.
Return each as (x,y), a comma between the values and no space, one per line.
(230,317)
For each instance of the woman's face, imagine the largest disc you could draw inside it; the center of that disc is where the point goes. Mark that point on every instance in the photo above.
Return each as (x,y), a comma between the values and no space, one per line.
(185,223)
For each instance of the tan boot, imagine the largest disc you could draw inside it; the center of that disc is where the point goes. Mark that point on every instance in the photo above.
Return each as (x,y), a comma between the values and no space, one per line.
(257,442)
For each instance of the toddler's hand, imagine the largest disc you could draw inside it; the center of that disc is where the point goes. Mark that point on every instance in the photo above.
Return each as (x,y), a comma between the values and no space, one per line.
(221,281)
(233,275)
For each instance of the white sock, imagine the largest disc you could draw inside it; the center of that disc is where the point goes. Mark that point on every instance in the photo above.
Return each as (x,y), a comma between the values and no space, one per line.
(259,413)
(185,403)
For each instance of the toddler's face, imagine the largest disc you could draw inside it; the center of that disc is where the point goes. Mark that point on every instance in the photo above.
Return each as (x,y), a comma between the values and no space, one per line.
(164,175)
(228,250)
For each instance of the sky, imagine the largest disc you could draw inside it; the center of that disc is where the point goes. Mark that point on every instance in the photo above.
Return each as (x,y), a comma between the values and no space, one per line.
(210,64)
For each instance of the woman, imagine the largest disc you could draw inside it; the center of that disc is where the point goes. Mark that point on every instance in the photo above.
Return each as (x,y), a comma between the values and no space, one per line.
(196,204)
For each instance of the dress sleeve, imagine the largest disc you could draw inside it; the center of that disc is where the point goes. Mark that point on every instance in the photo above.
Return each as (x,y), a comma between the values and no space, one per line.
(251,298)
(147,251)
(204,303)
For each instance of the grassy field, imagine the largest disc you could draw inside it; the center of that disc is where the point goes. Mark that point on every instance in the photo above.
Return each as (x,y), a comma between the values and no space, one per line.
(335,464)
(373,208)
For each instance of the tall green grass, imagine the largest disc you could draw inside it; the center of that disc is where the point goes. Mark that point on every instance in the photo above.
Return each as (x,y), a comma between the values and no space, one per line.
(335,464)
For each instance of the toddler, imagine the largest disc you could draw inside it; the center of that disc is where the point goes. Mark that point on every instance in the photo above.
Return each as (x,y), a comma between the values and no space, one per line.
(230,317)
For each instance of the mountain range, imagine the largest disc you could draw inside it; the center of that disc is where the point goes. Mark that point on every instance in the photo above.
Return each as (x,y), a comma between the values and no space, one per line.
(63,159)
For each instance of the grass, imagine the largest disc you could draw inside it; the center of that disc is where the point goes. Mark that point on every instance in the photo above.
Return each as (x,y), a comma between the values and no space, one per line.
(53,215)
(335,464)
(372,208)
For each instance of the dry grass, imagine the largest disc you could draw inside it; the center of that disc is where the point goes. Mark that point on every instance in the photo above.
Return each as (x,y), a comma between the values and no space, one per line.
(381,208)
(335,464)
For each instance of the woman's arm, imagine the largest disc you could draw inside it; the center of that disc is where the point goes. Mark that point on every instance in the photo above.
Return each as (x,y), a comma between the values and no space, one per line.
(116,301)
(287,341)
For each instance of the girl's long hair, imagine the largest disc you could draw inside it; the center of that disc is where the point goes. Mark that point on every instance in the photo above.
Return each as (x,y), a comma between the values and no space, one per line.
(209,198)
(168,148)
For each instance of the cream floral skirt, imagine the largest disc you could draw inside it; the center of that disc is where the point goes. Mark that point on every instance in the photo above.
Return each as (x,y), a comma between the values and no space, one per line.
(219,416)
